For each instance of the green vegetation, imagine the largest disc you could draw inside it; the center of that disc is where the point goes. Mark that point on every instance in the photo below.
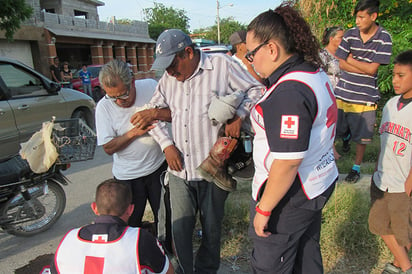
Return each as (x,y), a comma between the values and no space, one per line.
(395,16)
(161,18)
(12,14)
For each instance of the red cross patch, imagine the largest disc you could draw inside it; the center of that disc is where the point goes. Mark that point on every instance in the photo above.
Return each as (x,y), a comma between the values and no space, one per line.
(289,128)
(100,238)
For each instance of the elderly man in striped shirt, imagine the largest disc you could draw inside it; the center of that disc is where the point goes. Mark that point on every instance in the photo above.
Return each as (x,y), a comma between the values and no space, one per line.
(362,50)
(191,80)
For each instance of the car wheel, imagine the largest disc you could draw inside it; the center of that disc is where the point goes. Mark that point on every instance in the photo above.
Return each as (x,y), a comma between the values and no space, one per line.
(97,94)
(81,114)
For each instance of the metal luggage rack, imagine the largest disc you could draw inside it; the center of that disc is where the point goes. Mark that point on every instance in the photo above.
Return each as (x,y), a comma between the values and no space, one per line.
(74,140)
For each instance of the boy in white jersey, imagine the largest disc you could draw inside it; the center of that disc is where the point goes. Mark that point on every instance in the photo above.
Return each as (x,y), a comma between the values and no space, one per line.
(392,181)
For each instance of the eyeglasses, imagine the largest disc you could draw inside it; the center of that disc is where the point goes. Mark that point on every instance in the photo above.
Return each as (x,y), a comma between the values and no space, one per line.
(121,97)
(251,54)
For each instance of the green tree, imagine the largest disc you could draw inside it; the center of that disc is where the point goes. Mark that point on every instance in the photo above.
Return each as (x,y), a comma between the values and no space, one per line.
(161,17)
(12,13)
(227,27)
(124,21)
(395,16)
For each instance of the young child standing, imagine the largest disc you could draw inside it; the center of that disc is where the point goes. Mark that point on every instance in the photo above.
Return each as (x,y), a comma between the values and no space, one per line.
(86,80)
(392,181)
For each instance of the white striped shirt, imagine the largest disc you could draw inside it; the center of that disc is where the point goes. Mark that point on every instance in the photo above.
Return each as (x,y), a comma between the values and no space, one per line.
(193,132)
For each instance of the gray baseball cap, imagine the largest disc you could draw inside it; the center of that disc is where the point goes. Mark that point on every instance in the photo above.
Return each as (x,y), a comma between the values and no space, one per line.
(168,44)
(237,37)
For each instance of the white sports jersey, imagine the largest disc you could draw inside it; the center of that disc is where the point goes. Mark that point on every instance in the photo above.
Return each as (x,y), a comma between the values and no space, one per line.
(395,159)
(318,169)
(99,256)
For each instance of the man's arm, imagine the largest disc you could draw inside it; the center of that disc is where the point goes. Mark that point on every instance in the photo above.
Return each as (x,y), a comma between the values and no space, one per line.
(121,142)
(146,117)
(241,80)
(343,65)
(365,67)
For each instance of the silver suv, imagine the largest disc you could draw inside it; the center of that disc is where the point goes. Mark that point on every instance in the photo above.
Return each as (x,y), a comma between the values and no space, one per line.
(27,98)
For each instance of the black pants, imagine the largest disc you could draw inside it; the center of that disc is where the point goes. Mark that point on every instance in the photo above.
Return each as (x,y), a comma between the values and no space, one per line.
(146,188)
(293,246)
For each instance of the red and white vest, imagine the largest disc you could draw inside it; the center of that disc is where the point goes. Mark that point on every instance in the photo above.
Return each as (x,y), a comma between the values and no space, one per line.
(318,168)
(75,255)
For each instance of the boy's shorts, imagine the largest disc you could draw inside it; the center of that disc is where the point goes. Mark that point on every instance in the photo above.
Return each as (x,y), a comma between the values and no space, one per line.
(390,214)
(358,120)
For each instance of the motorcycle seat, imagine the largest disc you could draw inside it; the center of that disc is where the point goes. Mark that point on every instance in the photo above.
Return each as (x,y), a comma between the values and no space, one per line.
(13,170)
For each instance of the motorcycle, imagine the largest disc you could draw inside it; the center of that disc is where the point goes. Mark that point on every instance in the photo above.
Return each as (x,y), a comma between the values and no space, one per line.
(30,202)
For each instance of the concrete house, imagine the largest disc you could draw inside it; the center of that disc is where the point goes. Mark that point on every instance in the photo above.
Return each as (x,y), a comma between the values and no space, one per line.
(71,30)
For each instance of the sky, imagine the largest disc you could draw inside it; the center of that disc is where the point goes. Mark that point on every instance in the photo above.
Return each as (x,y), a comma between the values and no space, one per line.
(202,13)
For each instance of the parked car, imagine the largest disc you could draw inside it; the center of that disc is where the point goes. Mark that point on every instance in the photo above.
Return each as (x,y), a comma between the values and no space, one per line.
(28,98)
(96,88)
(215,48)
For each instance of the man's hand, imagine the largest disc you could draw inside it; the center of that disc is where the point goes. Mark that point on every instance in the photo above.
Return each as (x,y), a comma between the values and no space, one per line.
(173,158)
(121,142)
(260,223)
(136,131)
(232,128)
(143,118)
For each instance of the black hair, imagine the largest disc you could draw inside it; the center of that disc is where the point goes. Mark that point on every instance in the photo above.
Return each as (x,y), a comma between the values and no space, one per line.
(371,6)
(287,26)
(113,197)
(328,33)
(404,58)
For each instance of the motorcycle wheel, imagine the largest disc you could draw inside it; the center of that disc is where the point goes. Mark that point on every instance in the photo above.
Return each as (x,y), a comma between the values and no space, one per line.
(48,207)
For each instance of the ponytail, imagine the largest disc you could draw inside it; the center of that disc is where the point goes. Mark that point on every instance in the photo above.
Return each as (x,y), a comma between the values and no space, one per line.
(286,25)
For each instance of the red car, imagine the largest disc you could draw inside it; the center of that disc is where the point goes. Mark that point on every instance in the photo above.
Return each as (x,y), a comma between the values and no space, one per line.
(96,89)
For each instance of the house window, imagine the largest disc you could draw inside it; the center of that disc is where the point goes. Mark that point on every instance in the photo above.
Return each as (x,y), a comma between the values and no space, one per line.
(81,14)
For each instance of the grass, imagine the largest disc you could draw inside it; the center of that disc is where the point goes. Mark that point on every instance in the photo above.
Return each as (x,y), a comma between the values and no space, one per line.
(346,243)
(370,157)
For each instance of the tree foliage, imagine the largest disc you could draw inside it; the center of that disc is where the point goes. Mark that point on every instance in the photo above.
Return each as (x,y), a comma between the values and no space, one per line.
(227,27)
(395,16)
(161,18)
(12,13)
(124,21)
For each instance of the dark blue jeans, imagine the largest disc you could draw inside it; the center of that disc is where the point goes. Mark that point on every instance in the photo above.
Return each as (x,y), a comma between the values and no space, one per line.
(188,198)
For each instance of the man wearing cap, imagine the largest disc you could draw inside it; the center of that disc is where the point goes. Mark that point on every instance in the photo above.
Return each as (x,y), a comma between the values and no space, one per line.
(191,80)
(238,42)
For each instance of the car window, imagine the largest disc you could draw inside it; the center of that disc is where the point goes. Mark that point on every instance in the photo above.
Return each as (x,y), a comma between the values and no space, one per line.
(94,71)
(21,83)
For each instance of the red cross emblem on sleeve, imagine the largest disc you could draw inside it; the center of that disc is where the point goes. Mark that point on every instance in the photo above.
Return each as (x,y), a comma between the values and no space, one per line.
(289,128)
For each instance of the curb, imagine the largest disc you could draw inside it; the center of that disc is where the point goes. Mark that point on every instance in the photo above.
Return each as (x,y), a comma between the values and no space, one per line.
(364,180)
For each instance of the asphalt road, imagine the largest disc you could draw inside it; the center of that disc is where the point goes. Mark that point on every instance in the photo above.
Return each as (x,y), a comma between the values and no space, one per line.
(19,253)
(16,252)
